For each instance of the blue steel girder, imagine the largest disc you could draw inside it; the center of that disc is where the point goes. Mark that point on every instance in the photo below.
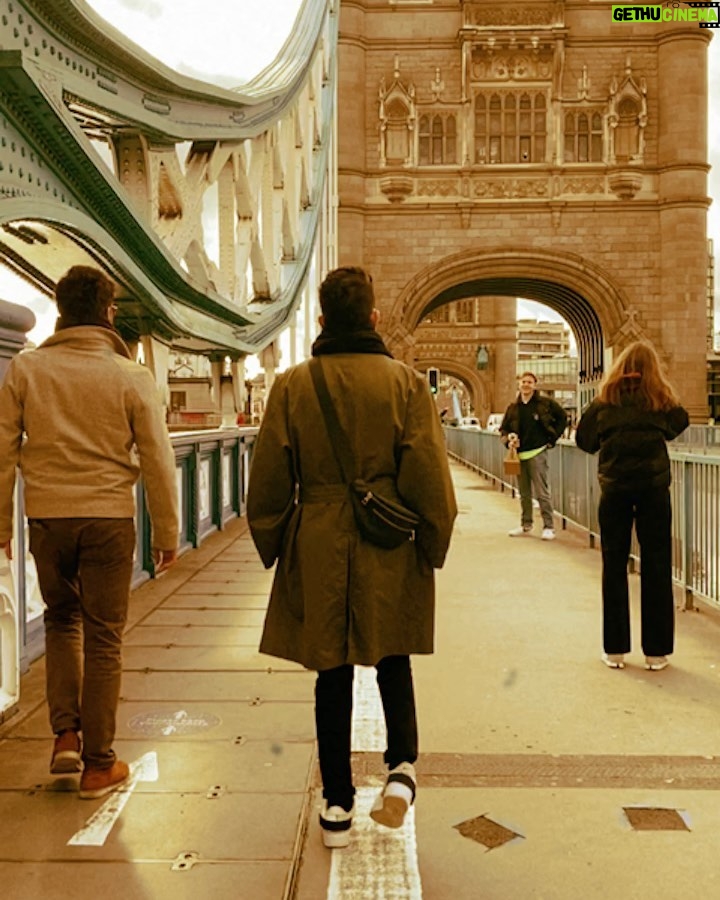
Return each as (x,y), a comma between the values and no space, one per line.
(92,136)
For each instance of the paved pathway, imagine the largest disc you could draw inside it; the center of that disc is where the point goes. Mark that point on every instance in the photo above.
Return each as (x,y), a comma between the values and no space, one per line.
(525,735)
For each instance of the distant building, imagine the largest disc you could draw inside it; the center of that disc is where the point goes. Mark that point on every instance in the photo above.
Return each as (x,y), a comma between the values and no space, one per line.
(542,340)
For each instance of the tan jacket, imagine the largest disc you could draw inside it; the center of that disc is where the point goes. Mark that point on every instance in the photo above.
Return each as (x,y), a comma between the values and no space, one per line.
(89,412)
(337,599)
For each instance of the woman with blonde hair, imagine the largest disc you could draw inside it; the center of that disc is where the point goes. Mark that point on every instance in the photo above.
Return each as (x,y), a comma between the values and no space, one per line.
(635,413)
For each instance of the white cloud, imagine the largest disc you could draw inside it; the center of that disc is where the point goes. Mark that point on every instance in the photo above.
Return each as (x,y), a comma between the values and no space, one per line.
(147,7)
(238,39)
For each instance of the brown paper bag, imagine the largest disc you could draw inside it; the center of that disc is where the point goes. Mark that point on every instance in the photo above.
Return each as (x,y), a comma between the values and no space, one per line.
(511,463)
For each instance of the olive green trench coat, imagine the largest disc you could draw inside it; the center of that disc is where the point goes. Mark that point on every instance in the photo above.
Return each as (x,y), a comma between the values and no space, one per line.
(337,599)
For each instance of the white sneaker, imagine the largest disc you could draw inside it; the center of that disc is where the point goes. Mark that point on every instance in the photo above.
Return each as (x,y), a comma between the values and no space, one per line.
(336,823)
(520,531)
(614,660)
(396,797)
(548,534)
(656,663)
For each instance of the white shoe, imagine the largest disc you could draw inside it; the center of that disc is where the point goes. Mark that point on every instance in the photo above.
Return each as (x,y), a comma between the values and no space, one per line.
(656,663)
(520,531)
(548,534)
(336,823)
(614,660)
(396,797)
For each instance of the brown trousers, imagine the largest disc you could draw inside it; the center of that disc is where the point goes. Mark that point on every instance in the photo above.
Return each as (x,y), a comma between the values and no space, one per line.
(84,569)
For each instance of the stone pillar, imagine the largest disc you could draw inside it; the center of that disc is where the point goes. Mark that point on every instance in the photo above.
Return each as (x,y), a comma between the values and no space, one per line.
(217,367)
(682,166)
(226,403)
(351,120)
(157,359)
(269,360)
(505,353)
(237,370)
(15,322)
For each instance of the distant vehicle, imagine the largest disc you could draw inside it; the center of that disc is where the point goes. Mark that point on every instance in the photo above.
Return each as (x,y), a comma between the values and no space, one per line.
(470,423)
(494,422)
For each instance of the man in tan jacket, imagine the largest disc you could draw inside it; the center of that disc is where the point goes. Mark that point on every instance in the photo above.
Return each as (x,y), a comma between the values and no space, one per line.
(73,415)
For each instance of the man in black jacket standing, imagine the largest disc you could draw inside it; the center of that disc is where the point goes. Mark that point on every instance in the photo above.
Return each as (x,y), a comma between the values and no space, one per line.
(532,424)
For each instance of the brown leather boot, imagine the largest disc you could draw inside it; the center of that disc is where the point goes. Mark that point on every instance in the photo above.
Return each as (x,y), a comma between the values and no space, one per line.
(66,754)
(96,783)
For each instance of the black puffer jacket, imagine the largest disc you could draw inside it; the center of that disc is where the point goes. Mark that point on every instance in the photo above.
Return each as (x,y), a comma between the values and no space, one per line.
(550,414)
(631,441)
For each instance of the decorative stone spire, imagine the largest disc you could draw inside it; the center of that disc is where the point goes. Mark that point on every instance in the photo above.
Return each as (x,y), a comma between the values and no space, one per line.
(437,86)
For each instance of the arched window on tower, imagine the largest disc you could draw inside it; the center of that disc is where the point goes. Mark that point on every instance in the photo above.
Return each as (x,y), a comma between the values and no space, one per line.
(510,127)
(450,141)
(440,315)
(437,140)
(465,311)
(424,141)
(583,136)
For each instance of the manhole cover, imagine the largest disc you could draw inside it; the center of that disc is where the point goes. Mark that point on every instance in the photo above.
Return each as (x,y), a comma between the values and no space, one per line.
(655,819)
(164,723)
(486,832)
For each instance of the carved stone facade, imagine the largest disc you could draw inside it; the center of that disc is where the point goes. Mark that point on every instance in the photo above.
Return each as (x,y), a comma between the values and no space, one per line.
(534,149)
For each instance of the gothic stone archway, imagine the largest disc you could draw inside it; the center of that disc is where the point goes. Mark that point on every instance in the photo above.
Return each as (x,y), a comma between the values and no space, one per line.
(582,293)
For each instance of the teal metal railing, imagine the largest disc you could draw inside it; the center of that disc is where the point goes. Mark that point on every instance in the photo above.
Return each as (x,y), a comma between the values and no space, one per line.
(695,495)
(212,476)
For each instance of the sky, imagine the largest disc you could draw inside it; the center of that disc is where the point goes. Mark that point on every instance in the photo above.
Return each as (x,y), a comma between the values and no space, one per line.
(231,47)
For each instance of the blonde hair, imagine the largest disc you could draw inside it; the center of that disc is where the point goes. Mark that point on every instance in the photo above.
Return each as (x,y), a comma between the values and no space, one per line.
(638,370)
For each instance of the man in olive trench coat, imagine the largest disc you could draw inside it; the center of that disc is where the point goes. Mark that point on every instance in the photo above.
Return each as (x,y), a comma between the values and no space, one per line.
(338,600)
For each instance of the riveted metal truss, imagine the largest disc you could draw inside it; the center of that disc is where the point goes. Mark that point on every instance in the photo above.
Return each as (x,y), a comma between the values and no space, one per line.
(208,206)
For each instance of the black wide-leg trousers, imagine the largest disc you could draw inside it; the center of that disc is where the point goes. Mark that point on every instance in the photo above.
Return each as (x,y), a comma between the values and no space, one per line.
(650,511)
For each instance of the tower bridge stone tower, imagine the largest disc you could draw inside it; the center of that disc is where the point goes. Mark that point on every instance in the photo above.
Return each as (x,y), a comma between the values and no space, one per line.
(532,149)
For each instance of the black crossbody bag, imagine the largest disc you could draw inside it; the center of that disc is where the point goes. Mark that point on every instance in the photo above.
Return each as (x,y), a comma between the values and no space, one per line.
(383,522)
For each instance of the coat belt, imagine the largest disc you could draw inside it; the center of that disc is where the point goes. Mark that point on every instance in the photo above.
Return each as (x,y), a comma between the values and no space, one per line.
(323,493)
(328,493)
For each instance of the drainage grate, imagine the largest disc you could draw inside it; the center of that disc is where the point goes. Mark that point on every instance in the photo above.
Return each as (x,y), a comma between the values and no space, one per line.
(486,832)
(648,818)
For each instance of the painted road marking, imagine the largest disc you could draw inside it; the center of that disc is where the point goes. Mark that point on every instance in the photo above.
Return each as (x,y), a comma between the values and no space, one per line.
(368,720)
(97,828)
(380,862)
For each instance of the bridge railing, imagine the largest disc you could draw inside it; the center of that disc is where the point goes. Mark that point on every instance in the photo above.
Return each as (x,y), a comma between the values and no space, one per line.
(212,476)
(695,497)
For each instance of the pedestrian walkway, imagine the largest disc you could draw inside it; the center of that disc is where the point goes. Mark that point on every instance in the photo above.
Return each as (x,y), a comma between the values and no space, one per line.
(543,776)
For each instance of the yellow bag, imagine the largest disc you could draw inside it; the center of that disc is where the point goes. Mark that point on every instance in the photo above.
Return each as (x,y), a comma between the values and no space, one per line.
(511,463)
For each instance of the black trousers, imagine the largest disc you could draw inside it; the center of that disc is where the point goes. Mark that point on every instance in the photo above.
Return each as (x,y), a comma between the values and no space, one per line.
(333,721)
(650,510)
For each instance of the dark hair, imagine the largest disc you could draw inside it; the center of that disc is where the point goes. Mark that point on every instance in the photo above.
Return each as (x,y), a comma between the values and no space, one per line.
(347,299)
(84,295)
(529,375)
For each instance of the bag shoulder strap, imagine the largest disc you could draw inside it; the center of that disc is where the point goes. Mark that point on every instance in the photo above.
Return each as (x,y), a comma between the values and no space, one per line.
(338,438)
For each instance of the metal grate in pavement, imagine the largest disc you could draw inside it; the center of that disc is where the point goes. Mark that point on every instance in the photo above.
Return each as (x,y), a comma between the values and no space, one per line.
(486,832)
(648,818)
